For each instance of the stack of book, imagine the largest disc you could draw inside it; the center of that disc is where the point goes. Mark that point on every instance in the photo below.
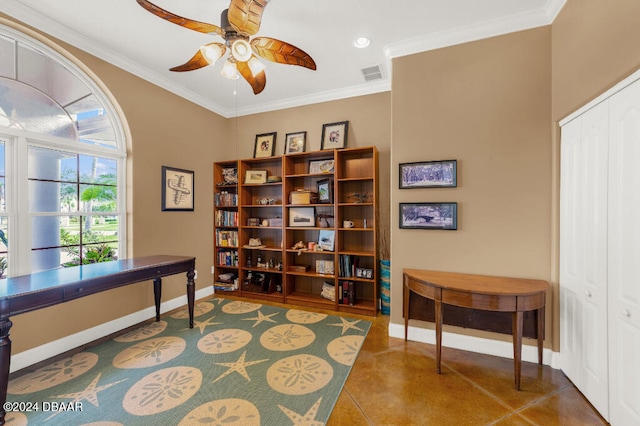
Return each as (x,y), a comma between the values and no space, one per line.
(348,265)
(347,293)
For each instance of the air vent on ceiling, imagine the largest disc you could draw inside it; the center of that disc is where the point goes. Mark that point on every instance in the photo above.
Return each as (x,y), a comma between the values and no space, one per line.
(372,73)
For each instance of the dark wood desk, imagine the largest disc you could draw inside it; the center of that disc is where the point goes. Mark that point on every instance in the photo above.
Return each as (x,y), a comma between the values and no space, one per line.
(503,294)
(35,291)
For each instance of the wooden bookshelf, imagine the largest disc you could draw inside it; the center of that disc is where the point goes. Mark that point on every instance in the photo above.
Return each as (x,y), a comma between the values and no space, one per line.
(269,213)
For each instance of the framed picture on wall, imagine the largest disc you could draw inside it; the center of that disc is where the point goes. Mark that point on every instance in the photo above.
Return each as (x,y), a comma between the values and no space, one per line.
(295,142)
(265,145)
(428,174)
(177,189)
(334,135)
(429,216)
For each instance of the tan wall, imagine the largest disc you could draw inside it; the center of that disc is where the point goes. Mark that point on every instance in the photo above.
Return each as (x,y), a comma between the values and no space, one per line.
(165,130)
(369,124)
(487,105)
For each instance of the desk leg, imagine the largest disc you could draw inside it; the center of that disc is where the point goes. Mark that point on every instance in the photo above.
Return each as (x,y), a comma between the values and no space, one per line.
(518,320)
(540,325)
(157,295)
(5,360)
(438,320)
(191,294)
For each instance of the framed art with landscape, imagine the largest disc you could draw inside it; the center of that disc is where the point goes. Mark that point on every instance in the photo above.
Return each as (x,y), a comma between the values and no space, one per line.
(429,216)
(428,174)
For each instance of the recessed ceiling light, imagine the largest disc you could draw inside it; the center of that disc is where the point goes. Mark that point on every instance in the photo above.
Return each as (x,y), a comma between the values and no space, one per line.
(362,42)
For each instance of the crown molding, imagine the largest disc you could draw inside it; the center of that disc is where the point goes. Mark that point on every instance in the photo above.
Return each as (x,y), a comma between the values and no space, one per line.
(496,27)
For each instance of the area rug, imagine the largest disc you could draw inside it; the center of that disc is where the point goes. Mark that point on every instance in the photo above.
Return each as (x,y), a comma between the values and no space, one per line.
(243,363)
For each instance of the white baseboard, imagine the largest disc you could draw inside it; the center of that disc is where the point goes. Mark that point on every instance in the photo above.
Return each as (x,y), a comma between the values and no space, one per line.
(475,344)
(48,350)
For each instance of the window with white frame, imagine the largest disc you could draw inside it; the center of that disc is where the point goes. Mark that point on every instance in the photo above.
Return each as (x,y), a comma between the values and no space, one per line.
(62,162)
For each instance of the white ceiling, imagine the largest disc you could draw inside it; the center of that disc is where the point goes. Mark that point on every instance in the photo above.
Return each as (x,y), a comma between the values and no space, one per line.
(124,34)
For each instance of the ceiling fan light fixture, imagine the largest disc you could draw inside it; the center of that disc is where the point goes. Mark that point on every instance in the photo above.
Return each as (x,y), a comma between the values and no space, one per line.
(229,70)
(241,50)
(256,66)
(211,52)
(362,42)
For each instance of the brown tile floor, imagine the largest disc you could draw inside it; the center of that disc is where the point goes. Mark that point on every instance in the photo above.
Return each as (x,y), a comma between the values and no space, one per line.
(394,382)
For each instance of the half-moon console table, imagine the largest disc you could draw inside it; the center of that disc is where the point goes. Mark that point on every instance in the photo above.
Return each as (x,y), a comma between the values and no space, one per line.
(502,294)
(47,288)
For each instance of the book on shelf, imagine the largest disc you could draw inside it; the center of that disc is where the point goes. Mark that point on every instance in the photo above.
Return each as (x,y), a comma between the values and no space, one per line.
(225,238)
(347,293)
(348,265)
(226,199)
(226,218)
(228,258)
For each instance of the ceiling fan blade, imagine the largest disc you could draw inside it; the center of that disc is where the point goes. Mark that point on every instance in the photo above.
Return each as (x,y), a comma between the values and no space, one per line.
(200,60)
(257,82)
(245,15)
(282,52)
(201,27)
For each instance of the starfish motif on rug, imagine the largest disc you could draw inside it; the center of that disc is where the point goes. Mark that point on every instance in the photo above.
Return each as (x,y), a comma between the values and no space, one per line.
(90,393)
(347,325)
(261,318)
(202,324)
(239,367)
(306,419)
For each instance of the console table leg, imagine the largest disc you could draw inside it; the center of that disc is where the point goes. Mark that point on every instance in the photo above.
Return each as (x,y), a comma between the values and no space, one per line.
(191,294)
(438,320)
(157,295)
(5,360)
(540,332)
(406,293)
(518,320)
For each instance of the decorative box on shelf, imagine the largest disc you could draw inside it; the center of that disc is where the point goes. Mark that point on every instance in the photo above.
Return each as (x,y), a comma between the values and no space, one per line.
(253,221)
(302,196)
(276,221)
(299,268)
(324,267)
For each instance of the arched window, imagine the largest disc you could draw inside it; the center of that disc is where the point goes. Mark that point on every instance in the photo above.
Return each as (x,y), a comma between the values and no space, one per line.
(62,162)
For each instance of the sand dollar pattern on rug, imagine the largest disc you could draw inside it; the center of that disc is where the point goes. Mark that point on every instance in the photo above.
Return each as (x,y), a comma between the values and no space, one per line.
(345,349)
(150,353)
(230,411)
(224,341)
(199,309)
(162,390)
(304,317)
(299,374)
(54,374)
(144,332)
(287,337)
(240,307)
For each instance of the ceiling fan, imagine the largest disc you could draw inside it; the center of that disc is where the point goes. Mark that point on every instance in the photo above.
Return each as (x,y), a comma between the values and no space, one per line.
(237,24)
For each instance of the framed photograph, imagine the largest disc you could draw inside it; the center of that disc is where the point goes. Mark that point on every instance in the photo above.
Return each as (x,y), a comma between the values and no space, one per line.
(302,216)
(265,145)
(326,239)
(325,191)
(428,174)
(255,176)
(177,189)
(295,142)
(334,135)
(364,273)
(429,216)
(321,166)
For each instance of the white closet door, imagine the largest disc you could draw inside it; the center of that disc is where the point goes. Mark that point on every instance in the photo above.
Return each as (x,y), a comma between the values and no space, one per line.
(583,255)
(624,256)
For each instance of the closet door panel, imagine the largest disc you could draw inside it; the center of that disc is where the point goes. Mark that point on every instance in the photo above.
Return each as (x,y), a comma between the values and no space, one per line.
(583,254)
(624,255)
